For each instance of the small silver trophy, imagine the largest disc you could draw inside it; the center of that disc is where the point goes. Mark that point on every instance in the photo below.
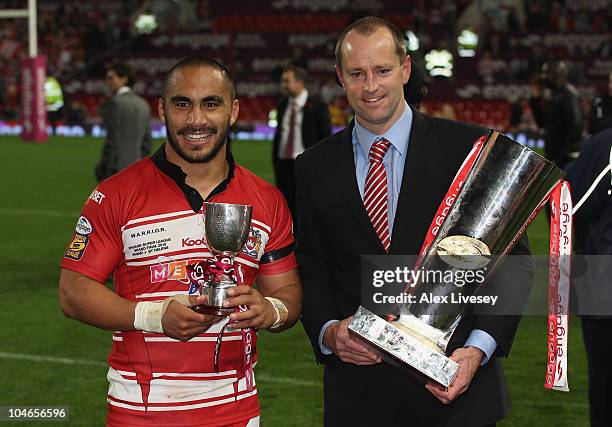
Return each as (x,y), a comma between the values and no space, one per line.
(226,229)
(505,188)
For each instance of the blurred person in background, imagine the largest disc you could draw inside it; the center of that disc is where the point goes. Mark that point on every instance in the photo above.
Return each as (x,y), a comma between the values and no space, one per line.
(303,120)
(54,99)
(126,117)
(561,115)
(170,365)
(601,110)
(591,280)
(417,87)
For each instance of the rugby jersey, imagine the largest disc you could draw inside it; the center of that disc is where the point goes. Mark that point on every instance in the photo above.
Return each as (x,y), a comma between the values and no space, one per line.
(144,226)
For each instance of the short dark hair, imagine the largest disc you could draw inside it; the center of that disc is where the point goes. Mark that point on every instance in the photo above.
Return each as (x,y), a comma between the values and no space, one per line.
(199,61)
(123,70)
(367,26)
(299,73)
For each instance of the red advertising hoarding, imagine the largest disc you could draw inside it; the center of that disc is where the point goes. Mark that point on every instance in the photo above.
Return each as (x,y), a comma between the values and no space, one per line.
(33,106)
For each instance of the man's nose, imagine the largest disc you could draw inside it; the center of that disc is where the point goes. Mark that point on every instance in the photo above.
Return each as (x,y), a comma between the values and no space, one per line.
(371,82)
(197,117)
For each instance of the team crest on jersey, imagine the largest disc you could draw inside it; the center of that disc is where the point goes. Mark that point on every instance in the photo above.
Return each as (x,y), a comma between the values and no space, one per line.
(253,243)
(77,247)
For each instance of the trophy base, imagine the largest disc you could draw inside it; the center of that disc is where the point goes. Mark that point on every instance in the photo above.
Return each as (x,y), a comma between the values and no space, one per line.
(411,353)
(212,310)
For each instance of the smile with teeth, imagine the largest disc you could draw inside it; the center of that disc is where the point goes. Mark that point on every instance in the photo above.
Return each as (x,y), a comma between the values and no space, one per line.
(197,137)
(373,100)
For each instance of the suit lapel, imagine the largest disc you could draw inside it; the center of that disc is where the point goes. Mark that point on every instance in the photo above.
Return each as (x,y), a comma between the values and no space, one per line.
(347,182)
(412,206)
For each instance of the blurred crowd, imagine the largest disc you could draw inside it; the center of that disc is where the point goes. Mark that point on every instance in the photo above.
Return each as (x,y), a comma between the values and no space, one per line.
(515,39)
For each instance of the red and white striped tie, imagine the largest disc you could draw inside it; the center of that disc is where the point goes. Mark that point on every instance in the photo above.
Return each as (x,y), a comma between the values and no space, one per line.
(375,193)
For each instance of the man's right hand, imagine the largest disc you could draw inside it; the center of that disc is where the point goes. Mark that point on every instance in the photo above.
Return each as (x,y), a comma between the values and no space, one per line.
(338,340)
(182,323)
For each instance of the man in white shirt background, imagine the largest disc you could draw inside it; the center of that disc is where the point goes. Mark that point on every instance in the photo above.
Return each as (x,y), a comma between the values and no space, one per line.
(303,120)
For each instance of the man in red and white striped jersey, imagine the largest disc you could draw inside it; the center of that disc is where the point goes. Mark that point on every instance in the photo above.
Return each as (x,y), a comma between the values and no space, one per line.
(144,226)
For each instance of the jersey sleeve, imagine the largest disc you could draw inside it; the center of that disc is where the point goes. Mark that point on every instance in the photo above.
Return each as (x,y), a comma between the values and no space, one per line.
(279,256)
(95,249)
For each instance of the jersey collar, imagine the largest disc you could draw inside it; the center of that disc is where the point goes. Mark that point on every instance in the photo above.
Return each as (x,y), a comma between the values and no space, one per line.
(178,176)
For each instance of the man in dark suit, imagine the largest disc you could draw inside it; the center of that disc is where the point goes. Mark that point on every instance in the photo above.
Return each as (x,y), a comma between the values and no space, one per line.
(593,239)
(303,120)
(126,119)
(561,117)
(420,157)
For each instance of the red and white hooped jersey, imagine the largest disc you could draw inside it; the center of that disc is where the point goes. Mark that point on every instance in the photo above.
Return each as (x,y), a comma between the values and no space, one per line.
(140,226)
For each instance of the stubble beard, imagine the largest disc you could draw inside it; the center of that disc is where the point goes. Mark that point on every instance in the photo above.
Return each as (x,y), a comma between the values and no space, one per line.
(196,158)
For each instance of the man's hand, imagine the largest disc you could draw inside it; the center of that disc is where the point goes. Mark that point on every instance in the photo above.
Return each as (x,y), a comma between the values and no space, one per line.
(469,359)
(182,323)
(260,313)
(338,340)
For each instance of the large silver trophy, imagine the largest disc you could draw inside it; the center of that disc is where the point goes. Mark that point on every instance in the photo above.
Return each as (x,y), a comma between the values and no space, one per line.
(506,186)
(226,229)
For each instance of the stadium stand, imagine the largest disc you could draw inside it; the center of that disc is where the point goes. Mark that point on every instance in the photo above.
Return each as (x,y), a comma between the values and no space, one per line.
(257,39)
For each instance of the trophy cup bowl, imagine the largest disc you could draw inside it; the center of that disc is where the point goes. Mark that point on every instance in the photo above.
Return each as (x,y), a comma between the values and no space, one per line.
(505,188)
(226,229)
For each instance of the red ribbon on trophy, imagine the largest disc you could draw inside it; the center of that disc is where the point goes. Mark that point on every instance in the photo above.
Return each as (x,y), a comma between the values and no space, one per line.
(559,274)
(449,199)
(210,269)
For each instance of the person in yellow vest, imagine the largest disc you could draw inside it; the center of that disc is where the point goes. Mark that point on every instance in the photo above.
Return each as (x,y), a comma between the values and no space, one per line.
(54,99)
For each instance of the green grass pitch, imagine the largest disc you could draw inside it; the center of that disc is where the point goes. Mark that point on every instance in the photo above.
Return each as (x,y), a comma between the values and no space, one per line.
(46,359)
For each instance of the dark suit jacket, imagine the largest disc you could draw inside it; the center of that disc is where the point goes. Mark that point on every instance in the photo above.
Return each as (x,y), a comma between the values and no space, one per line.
(126,119)
(316,123)
(334,231)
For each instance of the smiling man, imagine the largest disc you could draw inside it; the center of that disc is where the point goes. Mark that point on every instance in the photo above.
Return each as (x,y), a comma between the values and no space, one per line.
(171,365)
(373,189)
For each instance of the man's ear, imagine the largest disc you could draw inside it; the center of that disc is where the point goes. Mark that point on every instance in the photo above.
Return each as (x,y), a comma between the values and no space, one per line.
(339,77)
(235,111)
(160,110)
(406,69)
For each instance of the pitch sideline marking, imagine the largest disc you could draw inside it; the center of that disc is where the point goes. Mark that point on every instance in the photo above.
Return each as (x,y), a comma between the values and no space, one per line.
(69,361)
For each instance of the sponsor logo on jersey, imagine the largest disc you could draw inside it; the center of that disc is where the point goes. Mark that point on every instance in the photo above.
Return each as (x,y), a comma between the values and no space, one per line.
(253,243)
(97,196)
(147,232)
(77,246)
(83,226)
(188,242)
(175,270)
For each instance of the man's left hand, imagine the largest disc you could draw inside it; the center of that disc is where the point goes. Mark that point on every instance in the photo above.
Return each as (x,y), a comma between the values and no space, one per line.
(260,314)
(469,359)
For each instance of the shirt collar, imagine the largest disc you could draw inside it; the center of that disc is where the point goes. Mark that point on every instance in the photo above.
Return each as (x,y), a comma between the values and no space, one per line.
(397,135)
(123,89)
(175,173)
(301,99)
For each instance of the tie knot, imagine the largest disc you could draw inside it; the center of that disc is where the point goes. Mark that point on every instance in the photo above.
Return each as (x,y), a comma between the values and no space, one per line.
(379,149)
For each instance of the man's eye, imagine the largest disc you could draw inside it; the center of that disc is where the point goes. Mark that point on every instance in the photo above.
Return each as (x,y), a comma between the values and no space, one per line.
(356,74)
(211,105)
(383,71)
(182,105)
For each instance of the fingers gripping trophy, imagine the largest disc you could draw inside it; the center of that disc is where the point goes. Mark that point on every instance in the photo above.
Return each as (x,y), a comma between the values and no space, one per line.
(226,229)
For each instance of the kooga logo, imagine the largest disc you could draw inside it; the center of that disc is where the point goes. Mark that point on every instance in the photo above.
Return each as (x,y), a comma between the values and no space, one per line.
(188,241)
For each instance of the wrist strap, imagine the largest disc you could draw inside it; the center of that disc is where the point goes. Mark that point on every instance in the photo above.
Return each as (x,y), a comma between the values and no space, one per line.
(148,314)
(281,312)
